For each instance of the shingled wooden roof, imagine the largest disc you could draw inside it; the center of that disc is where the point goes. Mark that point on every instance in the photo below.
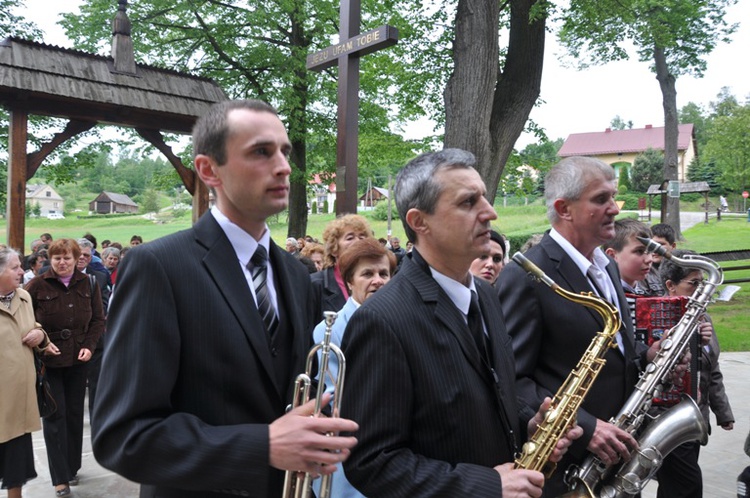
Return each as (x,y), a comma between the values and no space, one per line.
(53,81)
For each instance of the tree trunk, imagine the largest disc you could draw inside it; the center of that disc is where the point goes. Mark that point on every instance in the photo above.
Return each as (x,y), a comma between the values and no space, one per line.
(670,212)
(297,125)
(487,105)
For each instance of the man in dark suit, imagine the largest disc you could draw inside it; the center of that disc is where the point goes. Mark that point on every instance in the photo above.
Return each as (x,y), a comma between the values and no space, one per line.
(205,339)
(434,396)
(550,333)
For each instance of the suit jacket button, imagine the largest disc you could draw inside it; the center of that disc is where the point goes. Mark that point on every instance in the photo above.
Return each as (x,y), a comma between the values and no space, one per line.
(274,352)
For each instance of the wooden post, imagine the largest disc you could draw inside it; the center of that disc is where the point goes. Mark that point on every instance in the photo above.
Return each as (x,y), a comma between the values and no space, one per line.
(17,169)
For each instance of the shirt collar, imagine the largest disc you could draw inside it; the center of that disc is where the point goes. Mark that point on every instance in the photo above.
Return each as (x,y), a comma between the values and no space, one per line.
(457,292)
(243,243)
(600,260)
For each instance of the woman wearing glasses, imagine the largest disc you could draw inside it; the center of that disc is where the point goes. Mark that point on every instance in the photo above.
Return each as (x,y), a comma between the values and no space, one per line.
(680,474)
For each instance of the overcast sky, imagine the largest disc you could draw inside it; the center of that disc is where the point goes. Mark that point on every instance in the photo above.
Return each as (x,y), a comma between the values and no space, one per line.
(574,101)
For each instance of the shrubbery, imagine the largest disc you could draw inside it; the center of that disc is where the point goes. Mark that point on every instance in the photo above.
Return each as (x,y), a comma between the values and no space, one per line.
(380,212)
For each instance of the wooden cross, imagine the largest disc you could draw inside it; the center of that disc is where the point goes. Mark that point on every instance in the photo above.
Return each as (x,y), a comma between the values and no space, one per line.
(352,45)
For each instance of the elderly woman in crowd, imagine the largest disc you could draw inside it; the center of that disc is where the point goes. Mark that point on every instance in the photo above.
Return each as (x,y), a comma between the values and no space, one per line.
(365,266)
(680,474)
(110,259)
(488,266)
(315,253)
(20,334)
(68,304)
(329,290)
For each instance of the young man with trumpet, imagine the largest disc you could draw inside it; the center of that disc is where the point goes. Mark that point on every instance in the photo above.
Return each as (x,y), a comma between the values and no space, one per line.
(207,331)
(430,371)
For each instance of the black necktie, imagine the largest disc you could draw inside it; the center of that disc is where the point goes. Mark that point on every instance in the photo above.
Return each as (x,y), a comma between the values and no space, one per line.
(475,326)
(259,271)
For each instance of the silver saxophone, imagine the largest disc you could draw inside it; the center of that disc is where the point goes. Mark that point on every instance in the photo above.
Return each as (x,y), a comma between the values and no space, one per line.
(680,424)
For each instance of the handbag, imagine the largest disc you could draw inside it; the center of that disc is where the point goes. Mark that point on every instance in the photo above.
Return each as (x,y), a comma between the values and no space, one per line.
(47,404)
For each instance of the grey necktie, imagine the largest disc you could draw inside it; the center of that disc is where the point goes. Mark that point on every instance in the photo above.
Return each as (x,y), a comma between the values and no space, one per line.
(259,271)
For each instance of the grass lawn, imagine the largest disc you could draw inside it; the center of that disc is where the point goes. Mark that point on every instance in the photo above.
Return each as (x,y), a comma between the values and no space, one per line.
(730,318)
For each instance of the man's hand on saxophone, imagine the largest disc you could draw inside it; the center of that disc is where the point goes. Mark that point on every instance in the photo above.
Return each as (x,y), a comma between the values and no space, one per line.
(299,442)
(610,443)
(564,443)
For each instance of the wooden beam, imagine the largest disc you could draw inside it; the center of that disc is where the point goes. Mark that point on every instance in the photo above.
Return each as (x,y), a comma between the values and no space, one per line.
(35,159)
(16,201)
(188,176)
(155,138)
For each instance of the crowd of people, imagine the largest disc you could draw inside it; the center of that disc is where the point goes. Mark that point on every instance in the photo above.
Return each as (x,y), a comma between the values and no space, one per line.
(453,356)
(55,307)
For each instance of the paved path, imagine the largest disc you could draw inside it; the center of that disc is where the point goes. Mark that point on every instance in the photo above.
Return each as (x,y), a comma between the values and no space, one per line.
(722,459)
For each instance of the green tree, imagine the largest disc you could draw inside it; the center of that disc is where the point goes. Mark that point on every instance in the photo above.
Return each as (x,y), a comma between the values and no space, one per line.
(36,210)
(673,36)
(728,148)
(692,113)
(618,123)
(149,201)
(258,49)
(647,170)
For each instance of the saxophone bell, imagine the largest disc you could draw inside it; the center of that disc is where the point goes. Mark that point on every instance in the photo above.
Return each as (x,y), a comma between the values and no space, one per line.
(299,484)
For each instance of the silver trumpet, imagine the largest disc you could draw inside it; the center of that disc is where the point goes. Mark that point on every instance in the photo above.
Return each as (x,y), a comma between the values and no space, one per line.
(299,484)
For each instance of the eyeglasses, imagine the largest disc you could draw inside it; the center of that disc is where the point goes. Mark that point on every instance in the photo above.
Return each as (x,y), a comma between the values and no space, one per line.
(693,283)
(87,256)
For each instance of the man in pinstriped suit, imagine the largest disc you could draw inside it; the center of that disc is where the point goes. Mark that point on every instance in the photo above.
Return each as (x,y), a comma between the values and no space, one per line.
(194,384)
(437,410)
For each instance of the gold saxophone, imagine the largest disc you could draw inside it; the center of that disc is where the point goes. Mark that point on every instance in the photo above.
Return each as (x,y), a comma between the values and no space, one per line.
(563,411)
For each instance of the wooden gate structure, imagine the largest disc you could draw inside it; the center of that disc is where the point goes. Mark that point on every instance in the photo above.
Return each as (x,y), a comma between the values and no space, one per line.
(87,89)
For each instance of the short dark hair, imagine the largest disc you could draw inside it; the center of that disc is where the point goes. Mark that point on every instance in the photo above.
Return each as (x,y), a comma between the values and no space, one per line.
(367,248)
(88,236)
(500,239)
(136,237)
(211,131)
(625,230)
(664,231)
(668,270)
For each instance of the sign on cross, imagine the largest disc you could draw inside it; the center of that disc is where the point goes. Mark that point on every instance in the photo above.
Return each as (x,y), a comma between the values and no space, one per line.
(352,45)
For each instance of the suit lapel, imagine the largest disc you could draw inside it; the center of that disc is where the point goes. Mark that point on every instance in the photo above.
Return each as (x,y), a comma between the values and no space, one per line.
(571,277)
(221,263)
(418,273)
(503,360)
(295,316)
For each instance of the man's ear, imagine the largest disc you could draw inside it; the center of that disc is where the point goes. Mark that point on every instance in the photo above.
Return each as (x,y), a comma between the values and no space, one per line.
(417,221)
(611,253)
(562,208)
(205,166)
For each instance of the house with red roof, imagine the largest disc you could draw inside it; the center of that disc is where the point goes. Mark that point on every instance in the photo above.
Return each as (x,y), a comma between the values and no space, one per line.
(619,148)
(323,187)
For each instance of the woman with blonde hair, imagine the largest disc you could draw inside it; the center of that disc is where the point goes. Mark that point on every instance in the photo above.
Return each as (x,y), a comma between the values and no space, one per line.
(329,289)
